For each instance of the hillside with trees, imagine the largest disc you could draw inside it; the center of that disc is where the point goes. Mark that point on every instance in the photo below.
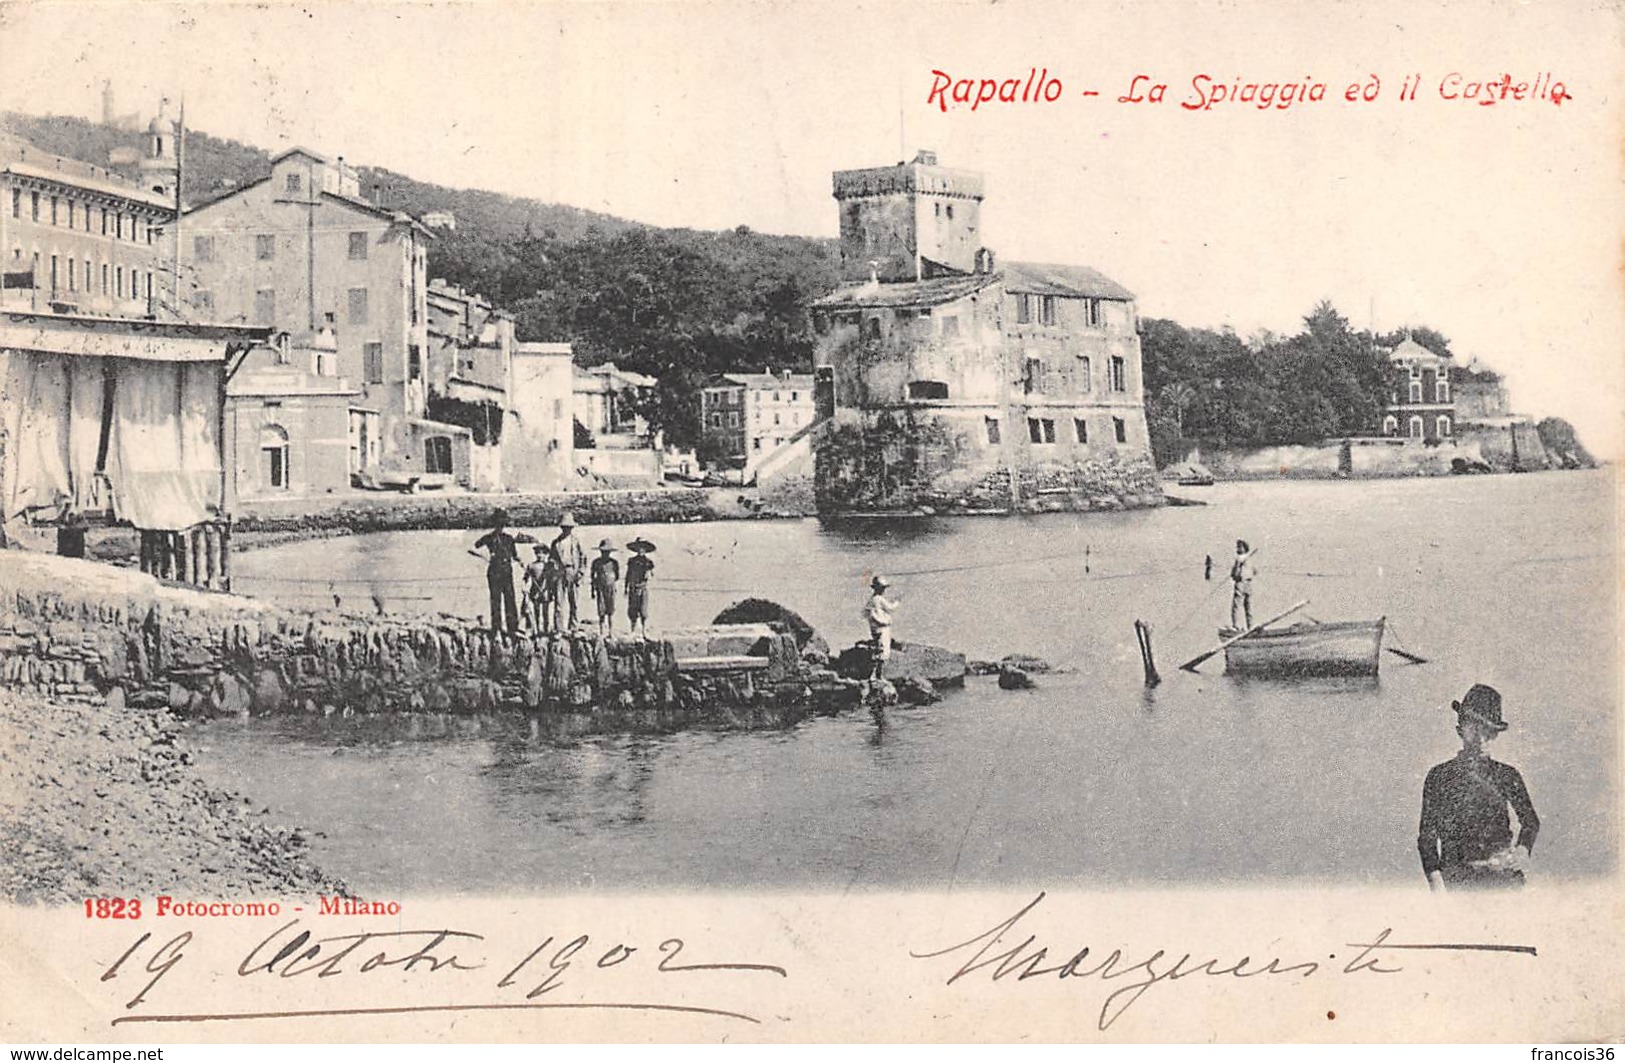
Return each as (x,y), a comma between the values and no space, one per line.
(681,305)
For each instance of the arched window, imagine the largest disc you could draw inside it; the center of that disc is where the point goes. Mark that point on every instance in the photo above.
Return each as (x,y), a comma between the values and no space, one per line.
(1416,428)
(274,457)
(1390,425)
(1443,426)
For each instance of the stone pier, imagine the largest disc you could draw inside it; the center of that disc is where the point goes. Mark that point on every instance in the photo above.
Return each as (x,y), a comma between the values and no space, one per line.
(77,629)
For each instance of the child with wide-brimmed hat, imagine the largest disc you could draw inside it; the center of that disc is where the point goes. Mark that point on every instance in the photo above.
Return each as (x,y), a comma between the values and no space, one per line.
(606,573)
(639,567)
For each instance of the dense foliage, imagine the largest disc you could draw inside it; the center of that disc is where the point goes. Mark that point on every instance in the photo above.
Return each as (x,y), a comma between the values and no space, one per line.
(1215,388)
(675,304)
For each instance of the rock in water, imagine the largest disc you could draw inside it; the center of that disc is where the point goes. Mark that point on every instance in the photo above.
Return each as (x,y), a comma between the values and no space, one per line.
(1013,678)
(1026,663)
(762,611)
(917,691)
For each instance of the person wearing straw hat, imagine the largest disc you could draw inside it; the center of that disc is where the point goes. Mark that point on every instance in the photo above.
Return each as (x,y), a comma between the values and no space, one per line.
(1465,837)
(878,612)
(606,573)
(572,564)
(639,567)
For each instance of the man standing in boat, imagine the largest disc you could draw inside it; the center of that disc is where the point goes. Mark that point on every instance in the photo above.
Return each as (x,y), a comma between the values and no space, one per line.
(1465,837)
(1241,580)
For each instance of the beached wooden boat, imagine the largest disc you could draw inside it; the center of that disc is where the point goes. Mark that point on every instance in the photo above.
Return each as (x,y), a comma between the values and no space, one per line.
(1352,647)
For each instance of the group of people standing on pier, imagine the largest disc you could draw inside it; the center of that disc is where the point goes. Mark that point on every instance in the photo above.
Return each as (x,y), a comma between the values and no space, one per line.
(553,577)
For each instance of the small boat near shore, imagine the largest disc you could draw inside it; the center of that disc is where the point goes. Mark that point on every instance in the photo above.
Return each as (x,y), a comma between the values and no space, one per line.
(1344,648)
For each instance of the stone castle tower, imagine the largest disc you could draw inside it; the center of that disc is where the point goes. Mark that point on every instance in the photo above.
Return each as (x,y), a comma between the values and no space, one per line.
(910,222)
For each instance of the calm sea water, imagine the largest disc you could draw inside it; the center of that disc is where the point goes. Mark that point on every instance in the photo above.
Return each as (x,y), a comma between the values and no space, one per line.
(1088,780)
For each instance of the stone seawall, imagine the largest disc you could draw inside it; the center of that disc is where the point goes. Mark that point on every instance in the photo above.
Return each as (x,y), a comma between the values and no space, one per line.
(1380,458)
(79,630)
(390,512)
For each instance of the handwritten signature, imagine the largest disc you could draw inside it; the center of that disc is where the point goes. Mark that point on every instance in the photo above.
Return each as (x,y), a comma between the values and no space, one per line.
(292,952)
(991,949)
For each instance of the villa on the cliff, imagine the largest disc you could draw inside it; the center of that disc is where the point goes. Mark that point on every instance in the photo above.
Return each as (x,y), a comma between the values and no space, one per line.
(960,385)
(1420,402)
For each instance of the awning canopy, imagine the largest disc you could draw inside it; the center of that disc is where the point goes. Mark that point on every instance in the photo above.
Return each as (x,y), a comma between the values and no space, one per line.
(102,337)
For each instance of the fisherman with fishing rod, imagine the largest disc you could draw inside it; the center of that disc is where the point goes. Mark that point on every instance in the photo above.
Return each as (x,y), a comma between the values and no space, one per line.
(502,553)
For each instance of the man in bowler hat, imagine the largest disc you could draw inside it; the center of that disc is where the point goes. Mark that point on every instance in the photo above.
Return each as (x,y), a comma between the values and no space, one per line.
(1465,837)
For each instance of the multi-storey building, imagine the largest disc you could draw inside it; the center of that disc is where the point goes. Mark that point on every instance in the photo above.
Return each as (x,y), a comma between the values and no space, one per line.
(538,444)
(75,237)
(470,363)
(616,446)
(300,250)
(747,416)
(1421,404)
(958,385)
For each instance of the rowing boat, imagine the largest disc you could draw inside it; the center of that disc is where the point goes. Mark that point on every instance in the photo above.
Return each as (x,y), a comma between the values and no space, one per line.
(1351,647)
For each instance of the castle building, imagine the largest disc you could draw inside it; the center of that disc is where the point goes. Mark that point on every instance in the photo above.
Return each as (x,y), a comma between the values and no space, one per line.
(953,384)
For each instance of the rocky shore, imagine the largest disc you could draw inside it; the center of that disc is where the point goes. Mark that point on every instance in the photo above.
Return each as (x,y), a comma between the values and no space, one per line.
(102,800)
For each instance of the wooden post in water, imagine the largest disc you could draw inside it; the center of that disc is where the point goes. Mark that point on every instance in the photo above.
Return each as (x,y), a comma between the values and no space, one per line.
(211,555)
(1142,632)
(225,557)
(195,544)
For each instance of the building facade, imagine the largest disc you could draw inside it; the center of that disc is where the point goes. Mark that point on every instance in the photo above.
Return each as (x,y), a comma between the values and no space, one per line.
(289,415)
(301,251)
(76,237)
(962,386)
(616,447)
(470,363)
(1421,402)
(745,417)
(538,445)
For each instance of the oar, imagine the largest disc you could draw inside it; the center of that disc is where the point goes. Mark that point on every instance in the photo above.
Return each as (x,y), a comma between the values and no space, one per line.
(1192,664)
(1413,658)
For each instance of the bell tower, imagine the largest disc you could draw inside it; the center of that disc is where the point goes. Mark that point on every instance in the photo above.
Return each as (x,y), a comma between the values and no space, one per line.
(159,167)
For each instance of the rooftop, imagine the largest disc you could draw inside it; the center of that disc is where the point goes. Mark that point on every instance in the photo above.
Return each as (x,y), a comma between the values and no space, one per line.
(1038,278)
(768,380)
(1409,348)
(933,292)
(20,157)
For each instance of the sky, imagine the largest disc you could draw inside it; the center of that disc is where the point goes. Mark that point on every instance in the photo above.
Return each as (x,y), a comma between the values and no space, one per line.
(1499,225)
